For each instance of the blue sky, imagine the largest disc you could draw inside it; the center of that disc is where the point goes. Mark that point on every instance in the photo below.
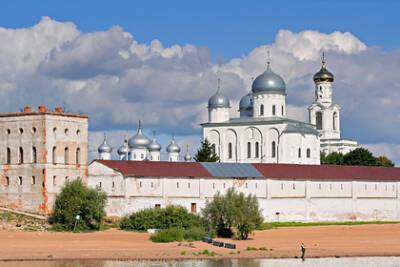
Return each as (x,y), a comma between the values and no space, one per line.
(228,28)
(159,61)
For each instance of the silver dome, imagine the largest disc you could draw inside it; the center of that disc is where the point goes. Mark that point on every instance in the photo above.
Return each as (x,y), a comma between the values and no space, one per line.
(173,147)
(218,100)
(124,149)
(246,102)
(188,157)
(104,147)
(269,82)
(154,145)
(139,140)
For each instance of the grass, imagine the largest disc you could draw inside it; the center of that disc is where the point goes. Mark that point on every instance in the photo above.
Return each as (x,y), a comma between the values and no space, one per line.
(272,225)
(251,249)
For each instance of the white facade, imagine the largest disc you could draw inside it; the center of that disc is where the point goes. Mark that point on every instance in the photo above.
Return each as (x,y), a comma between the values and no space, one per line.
(325,114)
(263,133)
(279,199)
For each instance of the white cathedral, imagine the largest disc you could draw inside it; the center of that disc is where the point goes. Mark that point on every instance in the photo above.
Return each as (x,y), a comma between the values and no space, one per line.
(263,133)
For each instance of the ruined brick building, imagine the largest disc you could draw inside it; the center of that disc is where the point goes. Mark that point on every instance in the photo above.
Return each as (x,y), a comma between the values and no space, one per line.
(40,150)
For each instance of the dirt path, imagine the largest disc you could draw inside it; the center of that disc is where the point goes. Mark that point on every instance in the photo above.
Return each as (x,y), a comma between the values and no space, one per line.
(361,240)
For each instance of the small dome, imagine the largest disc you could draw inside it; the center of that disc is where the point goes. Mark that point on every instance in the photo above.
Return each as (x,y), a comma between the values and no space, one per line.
(104,147)
(246,103)
(187,157)
(173,147)
(154,145)
(323,75)
(139,140)
(269,82)
(124,149)
(218,100)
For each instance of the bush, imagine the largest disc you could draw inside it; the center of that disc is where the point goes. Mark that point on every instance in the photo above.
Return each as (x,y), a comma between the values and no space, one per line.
(77,199)
(194,234)
(168,235)
(156,218)
(233,210)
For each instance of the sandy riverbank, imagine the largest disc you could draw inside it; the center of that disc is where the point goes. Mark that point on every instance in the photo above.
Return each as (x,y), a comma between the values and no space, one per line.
(323,241)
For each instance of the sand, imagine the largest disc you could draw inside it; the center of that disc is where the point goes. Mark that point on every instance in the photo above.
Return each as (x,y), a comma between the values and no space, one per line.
(322,241)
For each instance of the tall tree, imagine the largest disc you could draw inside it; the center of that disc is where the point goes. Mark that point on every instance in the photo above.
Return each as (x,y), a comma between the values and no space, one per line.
(206,153)
(233,211)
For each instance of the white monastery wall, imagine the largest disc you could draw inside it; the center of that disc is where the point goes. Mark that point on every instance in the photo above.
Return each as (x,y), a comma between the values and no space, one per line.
(283,200)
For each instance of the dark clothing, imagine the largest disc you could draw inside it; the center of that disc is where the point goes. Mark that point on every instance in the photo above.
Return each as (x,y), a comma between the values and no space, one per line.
(303,252)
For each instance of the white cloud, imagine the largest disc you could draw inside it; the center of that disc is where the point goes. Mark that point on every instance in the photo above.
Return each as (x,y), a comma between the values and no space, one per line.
(117,80)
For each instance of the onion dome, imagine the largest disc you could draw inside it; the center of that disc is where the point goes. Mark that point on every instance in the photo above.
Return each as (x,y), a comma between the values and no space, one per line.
(139,140)
(323,75)
(246,102)
(154,145)
(104,147)
(187,156)
(218,100)
(173,147)
(123,149)
(269,82)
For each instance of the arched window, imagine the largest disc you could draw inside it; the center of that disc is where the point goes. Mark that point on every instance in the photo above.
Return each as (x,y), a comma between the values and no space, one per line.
(7,181)
(262,110)
(34,155)
(335,117)
(257,149)
(78,155)
(8,156)
(229,150)
(248,150)
(282,110)
(273,149)
(213,148)
(299,153)
(53,155)
(273,110)
(20,155)
(318,117)
(308,153)
(66,160)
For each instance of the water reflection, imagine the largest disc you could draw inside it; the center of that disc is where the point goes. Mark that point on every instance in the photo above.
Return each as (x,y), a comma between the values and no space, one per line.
(322,262)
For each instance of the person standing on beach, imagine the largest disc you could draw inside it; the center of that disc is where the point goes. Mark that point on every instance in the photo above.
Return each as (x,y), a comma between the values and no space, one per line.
(303,252)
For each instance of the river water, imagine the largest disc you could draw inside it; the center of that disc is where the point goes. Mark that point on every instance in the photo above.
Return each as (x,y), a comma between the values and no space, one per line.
(320,262)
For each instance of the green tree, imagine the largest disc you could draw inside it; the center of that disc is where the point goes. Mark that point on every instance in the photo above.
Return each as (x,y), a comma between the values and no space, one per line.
(206,153)
(233,211)
(247,215)
(360,157)
(333,158)
(77,199)
(384,161)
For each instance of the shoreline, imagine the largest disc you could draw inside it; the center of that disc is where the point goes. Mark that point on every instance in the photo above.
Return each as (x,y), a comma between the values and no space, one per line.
(281,243)
(248,257)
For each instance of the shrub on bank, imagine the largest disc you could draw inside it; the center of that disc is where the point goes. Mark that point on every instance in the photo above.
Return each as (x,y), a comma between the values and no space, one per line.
(168,235)
(178,234)
(161,218)
(76,199)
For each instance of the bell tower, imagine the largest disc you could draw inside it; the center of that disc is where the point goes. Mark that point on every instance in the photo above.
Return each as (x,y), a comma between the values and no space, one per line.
(323,112)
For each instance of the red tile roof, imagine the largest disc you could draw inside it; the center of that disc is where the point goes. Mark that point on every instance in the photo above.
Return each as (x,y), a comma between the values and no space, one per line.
(272,171)
(327,172)
(157,168)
